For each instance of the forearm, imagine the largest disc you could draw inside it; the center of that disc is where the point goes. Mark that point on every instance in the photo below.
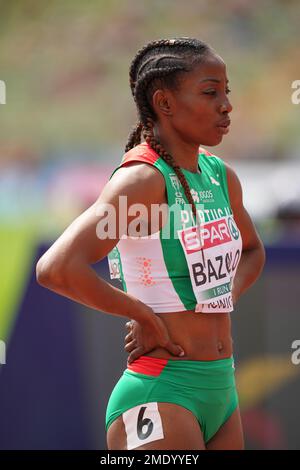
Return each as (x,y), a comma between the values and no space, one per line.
(248,271)
(79,282)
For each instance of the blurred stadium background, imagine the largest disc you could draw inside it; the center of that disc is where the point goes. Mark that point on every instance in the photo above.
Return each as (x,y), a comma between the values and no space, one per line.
(63,130)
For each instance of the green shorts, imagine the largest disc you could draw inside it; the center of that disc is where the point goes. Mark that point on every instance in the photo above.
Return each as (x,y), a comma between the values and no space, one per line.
(206,388)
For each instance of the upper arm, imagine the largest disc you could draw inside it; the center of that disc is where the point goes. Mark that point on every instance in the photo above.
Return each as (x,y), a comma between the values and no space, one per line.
(138,183)
(249,234)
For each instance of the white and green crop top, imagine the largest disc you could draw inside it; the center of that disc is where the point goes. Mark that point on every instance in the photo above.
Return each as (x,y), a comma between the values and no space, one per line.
(171,273)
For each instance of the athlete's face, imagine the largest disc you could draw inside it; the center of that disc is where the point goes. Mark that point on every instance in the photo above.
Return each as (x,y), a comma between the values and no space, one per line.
(201,106)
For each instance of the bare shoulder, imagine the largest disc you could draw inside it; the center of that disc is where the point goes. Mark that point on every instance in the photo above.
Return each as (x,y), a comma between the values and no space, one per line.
(140,182)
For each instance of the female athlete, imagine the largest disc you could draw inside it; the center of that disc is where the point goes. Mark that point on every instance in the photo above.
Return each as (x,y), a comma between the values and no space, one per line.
(184,261)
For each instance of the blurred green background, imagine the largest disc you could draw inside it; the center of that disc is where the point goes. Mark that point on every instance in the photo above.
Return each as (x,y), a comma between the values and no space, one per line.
(66,68)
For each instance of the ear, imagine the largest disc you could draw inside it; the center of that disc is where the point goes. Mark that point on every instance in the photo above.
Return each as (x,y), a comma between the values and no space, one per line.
(163,102)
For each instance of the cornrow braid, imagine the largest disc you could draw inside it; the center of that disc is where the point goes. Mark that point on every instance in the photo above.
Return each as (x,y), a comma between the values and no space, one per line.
(134,137)
(148,47)
(153,142)
(140,96)
(158,148)
(144,82)
(160,62)
(189,44)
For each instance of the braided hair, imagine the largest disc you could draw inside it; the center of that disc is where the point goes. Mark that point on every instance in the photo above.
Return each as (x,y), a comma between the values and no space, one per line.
(159,64)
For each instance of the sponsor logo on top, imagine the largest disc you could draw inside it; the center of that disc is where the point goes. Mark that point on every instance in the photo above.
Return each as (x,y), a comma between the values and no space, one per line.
(212,234)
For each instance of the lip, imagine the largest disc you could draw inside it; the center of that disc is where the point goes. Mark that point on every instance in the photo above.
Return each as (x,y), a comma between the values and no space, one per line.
(224,123)
(223,126)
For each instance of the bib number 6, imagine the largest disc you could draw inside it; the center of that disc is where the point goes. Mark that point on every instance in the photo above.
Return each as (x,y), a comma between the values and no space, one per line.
(144,423)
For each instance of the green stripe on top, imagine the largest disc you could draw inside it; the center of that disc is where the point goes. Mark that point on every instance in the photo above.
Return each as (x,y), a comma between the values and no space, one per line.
(210,193)
(174,257)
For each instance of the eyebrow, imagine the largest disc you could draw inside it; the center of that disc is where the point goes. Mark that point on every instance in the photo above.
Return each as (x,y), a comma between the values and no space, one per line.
(212,80)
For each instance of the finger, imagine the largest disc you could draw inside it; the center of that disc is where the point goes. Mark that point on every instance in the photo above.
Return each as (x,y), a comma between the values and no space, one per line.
(130,346)
(128,337)
(135,354)
(128,325)
(175,349)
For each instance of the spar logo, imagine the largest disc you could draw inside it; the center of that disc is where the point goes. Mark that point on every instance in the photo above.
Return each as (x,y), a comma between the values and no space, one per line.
(212,234)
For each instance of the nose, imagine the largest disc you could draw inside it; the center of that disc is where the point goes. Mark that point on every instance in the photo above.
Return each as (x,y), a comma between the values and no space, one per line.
(226,106)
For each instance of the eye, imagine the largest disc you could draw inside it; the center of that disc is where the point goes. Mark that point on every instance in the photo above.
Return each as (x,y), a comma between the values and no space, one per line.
(210,92)
(213,92)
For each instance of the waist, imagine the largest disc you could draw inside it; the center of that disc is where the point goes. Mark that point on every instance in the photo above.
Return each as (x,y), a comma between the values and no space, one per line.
(203,336)
(186,372)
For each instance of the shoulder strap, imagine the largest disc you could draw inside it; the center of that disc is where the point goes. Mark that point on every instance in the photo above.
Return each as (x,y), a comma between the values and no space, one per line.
(141,153)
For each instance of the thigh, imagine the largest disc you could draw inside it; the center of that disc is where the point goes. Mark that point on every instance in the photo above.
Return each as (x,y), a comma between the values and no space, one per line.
(156,426)
(230,435)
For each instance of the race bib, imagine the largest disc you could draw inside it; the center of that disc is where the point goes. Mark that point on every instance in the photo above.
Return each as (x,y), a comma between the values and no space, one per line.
(212,274)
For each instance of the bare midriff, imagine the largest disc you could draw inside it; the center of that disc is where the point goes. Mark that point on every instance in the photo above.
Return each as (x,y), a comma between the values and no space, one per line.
(203,336)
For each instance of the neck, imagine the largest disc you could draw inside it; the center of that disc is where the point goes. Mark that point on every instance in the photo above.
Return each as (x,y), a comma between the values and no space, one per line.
(184,153)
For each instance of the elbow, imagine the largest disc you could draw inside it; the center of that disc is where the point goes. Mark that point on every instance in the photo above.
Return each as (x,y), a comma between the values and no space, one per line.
(47,273)
(41,273)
